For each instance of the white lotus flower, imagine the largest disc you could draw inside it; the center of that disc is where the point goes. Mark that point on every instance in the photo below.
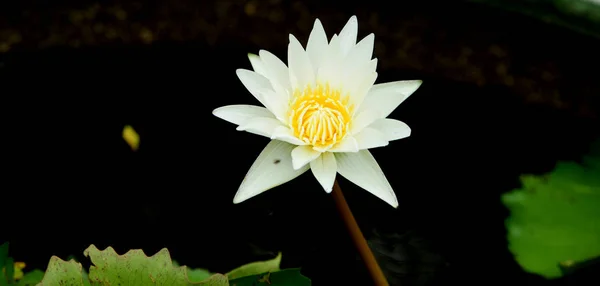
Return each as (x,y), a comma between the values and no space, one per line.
(322,112)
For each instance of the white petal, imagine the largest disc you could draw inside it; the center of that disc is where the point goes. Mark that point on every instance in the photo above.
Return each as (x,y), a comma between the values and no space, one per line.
(263,126)
(357,61)
(257,64)
(300,69)
(349,144)
(316,48)
(348,35)
(325,168)
(272,168)
(363,119)
(392,128)
(284,133)
(302,155)
(276,70)
(261,88)
(254,83)
(329,69)
(385,97)
(360,82)
(240,113)
(363,51)
(370,138)
(361,169)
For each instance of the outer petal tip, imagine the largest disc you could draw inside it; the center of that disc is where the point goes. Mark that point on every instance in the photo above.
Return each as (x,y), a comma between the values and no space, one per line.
(272,168)
(237,200)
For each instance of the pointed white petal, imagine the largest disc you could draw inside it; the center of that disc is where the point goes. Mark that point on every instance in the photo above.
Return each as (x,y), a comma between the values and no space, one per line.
(254,83)
(363,51)
(272,168)
(363,119)
(391,128)
(239,114)
(329,69)
(316,48)
(261,88)
(325,168)
(357,63)
(276,70)
(370,138)
(302,155)
(263,126)
(300,69)
(385,97)
(361,169)
(348,35)
(284,133)
(349,144)
(257,64)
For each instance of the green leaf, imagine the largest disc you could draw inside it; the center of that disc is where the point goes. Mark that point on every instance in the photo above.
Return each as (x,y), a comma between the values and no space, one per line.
(3,258)
(3,254)
(287,277)
(195,275)
(554,218)
(9,270)
(62,272)
(134,268)
(255,268)
(198,274)
(31,278)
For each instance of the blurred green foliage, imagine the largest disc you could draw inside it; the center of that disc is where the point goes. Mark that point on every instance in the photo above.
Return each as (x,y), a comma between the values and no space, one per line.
(555,219)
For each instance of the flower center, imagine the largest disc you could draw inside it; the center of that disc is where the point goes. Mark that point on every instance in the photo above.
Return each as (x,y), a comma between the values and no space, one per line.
(320,116)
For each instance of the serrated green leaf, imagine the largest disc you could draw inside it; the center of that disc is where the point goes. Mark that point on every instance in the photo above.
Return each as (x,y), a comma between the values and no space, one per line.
(31,278)
(286,277)
(134,268)
(60,272)
(255,268)
(554,218)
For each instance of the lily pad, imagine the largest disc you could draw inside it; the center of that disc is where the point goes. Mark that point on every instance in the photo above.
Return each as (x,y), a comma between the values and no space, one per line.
(136,269)
(62,272)
(554,218)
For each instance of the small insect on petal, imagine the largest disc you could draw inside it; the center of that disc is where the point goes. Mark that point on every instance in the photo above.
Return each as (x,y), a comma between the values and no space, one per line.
(131,137)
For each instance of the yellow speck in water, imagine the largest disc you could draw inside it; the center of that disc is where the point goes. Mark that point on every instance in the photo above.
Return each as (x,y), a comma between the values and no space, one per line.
(131,137)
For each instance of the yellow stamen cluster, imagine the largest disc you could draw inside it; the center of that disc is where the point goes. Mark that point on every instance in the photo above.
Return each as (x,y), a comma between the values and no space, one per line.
(320,116)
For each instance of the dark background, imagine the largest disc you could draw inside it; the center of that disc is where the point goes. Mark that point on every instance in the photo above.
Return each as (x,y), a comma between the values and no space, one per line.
(503,94)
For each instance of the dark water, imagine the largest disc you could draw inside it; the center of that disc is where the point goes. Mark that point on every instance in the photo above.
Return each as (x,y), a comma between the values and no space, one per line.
(69,179)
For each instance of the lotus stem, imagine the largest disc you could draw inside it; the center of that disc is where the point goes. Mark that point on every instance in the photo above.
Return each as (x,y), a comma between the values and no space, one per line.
(359,240)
